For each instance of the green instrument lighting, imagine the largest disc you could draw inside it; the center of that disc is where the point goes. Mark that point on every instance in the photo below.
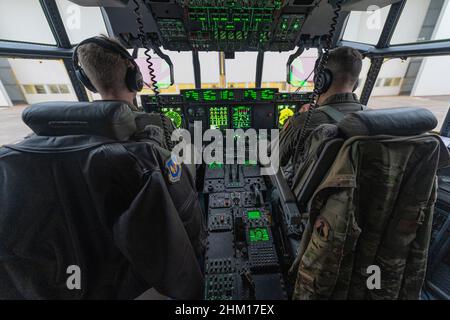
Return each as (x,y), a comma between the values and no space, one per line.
(227,95)
(174,114)
(267,94)
(259,234)
(210,95)
(242,117)
(254,215)
(192,96)
(218,118)
(250,94)
(215,165)
(249,163)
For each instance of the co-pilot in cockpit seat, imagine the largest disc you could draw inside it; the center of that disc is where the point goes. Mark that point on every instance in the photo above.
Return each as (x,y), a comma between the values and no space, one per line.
(89,214)
(373,208)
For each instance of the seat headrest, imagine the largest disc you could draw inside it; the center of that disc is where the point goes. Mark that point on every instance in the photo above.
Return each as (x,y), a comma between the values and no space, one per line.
(407,121)
(111,119)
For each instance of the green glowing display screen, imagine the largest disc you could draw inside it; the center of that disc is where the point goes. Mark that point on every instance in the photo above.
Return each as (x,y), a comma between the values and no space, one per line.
(174,114)
(227,95)
(284,113)
(267,94)
(210,95)
(250,94)
(242,117)
(259,234)
(218,118)
(191,96)
(254,214)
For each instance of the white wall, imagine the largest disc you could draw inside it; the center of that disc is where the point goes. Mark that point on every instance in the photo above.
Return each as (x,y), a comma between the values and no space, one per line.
(4,99)
(395,68)
(242,68)
(406,32)
(411,22)
(209,62)
(433,75)
(28,71)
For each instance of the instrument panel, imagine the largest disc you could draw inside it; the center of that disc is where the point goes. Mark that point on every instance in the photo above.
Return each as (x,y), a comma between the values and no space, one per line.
(242,260)
(228,108)
(239,25)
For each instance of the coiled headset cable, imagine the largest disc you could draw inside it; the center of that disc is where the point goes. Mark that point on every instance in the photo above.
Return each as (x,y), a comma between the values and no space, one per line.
(299,142)
(151,71)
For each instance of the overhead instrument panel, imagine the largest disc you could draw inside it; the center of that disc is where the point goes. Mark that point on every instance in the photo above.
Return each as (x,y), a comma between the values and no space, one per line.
(226,25)
(229,25)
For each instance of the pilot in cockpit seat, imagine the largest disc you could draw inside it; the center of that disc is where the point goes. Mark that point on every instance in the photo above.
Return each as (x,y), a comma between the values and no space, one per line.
(89,211)
(103,65)
(336,87)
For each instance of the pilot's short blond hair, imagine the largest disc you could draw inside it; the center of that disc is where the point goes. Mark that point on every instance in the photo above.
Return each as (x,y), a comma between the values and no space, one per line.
(104,68)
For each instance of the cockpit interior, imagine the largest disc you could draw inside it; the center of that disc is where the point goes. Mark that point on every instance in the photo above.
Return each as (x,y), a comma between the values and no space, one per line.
(270,236)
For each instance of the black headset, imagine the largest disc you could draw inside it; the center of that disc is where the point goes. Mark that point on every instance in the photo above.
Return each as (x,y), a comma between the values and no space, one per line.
(324,80)
(133,78)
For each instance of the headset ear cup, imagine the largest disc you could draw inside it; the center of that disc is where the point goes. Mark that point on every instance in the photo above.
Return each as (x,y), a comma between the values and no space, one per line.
(139,80)
(81,75)
(323,81)
(356,86)
(134,79)
(318,83)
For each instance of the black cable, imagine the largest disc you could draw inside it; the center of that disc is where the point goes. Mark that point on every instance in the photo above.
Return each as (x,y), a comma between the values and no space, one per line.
(151,71)
(315,96)
(304,82)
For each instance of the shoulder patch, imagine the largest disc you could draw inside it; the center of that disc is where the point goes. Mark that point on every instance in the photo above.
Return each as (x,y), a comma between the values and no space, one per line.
(173,170)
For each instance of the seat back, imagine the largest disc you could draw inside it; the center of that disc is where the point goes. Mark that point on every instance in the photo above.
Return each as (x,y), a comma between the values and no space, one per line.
(374,207)
(312,173)
(79,193)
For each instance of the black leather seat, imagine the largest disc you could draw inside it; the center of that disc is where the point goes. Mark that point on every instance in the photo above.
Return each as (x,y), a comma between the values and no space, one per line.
(79,192)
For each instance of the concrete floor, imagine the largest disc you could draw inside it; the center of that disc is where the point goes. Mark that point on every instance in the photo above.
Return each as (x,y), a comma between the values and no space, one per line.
(439,105)
(12,129)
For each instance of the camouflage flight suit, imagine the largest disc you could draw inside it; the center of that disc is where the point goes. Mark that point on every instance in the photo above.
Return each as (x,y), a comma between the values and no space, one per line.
(375,207)
(289,136)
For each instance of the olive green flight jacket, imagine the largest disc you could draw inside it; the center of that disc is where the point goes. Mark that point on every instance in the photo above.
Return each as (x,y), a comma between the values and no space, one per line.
(374,208)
